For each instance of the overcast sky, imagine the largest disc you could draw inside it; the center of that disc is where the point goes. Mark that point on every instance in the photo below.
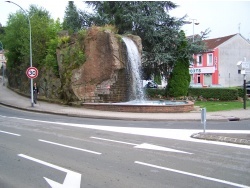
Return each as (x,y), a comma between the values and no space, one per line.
(222,17)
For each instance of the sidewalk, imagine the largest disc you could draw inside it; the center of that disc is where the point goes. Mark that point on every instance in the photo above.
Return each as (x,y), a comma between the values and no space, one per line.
(12,99)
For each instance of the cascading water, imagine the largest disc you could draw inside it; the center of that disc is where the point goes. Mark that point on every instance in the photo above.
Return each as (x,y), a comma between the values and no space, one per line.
(133,67)
(136,95)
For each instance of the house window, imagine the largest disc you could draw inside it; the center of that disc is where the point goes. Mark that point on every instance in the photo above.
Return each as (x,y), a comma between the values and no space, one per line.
(191,63)
(209,59)
(199,60)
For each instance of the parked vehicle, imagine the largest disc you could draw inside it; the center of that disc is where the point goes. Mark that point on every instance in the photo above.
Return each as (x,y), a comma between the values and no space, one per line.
(248,87)
(149,84)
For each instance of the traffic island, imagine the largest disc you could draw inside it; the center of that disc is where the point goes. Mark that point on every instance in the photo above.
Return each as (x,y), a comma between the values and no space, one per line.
(224,137)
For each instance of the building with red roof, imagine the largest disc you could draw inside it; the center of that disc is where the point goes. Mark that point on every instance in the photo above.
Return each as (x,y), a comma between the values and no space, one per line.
(217,66)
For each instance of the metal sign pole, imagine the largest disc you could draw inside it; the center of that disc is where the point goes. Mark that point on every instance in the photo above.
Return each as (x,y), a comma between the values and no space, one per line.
(203,118)
(244,68)
(245,94)
(3,75)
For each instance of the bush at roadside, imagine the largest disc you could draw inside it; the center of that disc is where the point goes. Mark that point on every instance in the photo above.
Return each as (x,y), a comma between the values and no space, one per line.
(213,94)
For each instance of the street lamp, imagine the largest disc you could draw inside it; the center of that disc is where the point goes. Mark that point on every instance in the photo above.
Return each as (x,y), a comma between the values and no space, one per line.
(2,62)
(31,79)
(194,22)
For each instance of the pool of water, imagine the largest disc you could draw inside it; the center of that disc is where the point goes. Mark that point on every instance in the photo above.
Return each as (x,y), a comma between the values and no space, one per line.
(157,106)
(153,102)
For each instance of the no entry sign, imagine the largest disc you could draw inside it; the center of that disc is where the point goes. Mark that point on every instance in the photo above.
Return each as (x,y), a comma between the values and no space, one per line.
(32,72)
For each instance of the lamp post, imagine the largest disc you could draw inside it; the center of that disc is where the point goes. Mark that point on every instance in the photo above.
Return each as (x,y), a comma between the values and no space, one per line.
(194,22)
(2,62)
(31,79)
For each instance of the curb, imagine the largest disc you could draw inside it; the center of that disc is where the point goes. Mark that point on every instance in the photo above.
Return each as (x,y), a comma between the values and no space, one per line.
(221,138)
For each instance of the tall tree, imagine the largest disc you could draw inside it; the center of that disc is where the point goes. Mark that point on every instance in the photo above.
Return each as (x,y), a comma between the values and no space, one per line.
(151,21)
(179,78)
(71,20)
(17,41)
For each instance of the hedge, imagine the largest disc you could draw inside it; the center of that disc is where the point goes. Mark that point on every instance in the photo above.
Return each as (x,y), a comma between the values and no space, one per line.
(223,94)
(155,93)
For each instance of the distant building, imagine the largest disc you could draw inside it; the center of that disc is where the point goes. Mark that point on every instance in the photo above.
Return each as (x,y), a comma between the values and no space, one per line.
(217,66)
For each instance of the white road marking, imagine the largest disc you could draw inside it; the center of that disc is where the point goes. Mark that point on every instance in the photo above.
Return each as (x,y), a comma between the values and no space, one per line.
(194,175)
(176,134)
(10,133)
(121,142)
(72,179)
(71,147)
(159,148)
(143,146)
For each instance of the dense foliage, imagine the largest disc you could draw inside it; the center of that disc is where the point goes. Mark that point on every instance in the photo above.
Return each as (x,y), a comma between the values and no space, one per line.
(199,94)
(165,48)
(223,94)
(17,41)
(179,78)
(160,33)
(71,20)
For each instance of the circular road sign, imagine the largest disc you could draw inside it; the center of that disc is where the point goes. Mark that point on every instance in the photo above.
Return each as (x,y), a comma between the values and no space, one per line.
(32,72)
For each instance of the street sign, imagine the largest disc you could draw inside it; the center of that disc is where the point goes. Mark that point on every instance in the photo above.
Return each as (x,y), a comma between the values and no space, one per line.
(32,72)
(245,65)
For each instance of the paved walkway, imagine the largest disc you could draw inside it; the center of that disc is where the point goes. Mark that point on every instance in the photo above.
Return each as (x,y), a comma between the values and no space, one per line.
(12,99)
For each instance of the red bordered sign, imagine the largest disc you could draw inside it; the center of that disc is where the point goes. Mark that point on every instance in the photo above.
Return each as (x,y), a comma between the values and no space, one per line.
(32,72)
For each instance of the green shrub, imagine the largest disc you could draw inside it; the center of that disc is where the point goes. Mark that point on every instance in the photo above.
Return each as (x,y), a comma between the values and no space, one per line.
(108,27)
(240,92)
(209,94)
(64,40)
(155,93)
(224,94)
(179,82)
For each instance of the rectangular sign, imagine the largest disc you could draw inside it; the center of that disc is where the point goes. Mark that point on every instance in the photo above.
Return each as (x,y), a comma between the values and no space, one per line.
(201,70)
(245,65)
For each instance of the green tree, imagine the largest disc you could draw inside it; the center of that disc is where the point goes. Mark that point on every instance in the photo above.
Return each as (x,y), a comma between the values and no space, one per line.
(17,45)
(52,45)
(72,21)
(179,78)
(151,21)
(17,41)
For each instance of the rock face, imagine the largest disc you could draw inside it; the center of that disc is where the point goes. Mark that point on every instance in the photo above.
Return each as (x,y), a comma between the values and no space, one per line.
(102,78)
(91,68)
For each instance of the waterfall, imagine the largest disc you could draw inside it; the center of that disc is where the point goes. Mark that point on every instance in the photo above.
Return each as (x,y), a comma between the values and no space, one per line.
(136,91)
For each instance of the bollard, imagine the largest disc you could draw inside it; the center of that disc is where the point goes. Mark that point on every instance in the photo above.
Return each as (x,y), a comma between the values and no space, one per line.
(203,118)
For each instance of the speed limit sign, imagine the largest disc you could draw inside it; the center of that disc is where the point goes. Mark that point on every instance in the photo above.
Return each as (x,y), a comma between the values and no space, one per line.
(32,72)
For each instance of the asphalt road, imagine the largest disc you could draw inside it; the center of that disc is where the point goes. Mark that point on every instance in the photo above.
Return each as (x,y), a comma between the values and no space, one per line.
(41,150)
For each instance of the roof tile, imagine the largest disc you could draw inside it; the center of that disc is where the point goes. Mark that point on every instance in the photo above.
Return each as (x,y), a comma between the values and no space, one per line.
(213,43)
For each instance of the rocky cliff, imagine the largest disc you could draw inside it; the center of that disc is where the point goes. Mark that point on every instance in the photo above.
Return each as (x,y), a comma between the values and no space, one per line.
(100,77)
